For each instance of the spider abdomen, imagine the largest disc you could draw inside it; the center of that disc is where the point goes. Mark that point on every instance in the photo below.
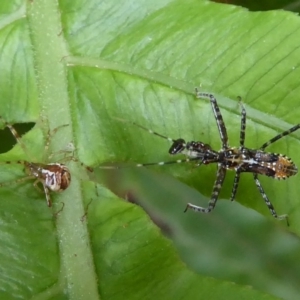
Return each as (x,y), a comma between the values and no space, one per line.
(57,177)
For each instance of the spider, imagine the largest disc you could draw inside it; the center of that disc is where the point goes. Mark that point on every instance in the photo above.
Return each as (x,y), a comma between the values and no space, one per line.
(240,159)
(54,177)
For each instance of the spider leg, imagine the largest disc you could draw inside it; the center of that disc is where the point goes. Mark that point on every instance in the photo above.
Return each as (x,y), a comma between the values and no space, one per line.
(47,194)
(218,116)
(20,180)
(51,133)
(14,133)
(83,218)
(215,193)
(55,215)
(35,184)
(46,191)
(268,203)
(279,136)
(235,184)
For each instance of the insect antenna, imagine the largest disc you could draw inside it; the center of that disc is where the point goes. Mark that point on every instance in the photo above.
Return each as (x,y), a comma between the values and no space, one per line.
(178,161)
(179,146)
(148,130)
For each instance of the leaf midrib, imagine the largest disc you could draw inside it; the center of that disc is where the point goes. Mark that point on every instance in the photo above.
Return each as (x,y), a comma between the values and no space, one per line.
(77,265)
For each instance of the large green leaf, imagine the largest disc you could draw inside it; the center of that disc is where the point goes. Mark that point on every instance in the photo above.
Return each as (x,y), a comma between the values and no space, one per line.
(83,63)
(245,61)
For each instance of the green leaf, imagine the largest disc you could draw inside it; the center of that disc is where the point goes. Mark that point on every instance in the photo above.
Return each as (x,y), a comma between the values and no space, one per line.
(84,63)
(246,61)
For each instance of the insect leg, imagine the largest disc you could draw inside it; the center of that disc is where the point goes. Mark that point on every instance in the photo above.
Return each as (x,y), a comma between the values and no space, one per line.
(243,126)
(235,184)
(279,136)
(215,193)
(218,116)
(268,203)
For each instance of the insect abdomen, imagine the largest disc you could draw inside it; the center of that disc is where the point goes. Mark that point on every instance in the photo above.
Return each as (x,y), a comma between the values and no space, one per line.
(284,167)
(281,165)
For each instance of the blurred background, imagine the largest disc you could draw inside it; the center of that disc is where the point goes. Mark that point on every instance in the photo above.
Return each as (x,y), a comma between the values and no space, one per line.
(232,243)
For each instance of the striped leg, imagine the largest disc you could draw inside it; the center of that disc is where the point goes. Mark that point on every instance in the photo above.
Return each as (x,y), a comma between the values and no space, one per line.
(215,193)
(235,184)
(46,190)
(279,136)
(218,116)
(269,204)
(242,141)
(243,126)
(15,134)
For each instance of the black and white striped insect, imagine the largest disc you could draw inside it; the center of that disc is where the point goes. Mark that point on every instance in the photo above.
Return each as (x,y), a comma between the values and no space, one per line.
(240,159)
(54,177)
